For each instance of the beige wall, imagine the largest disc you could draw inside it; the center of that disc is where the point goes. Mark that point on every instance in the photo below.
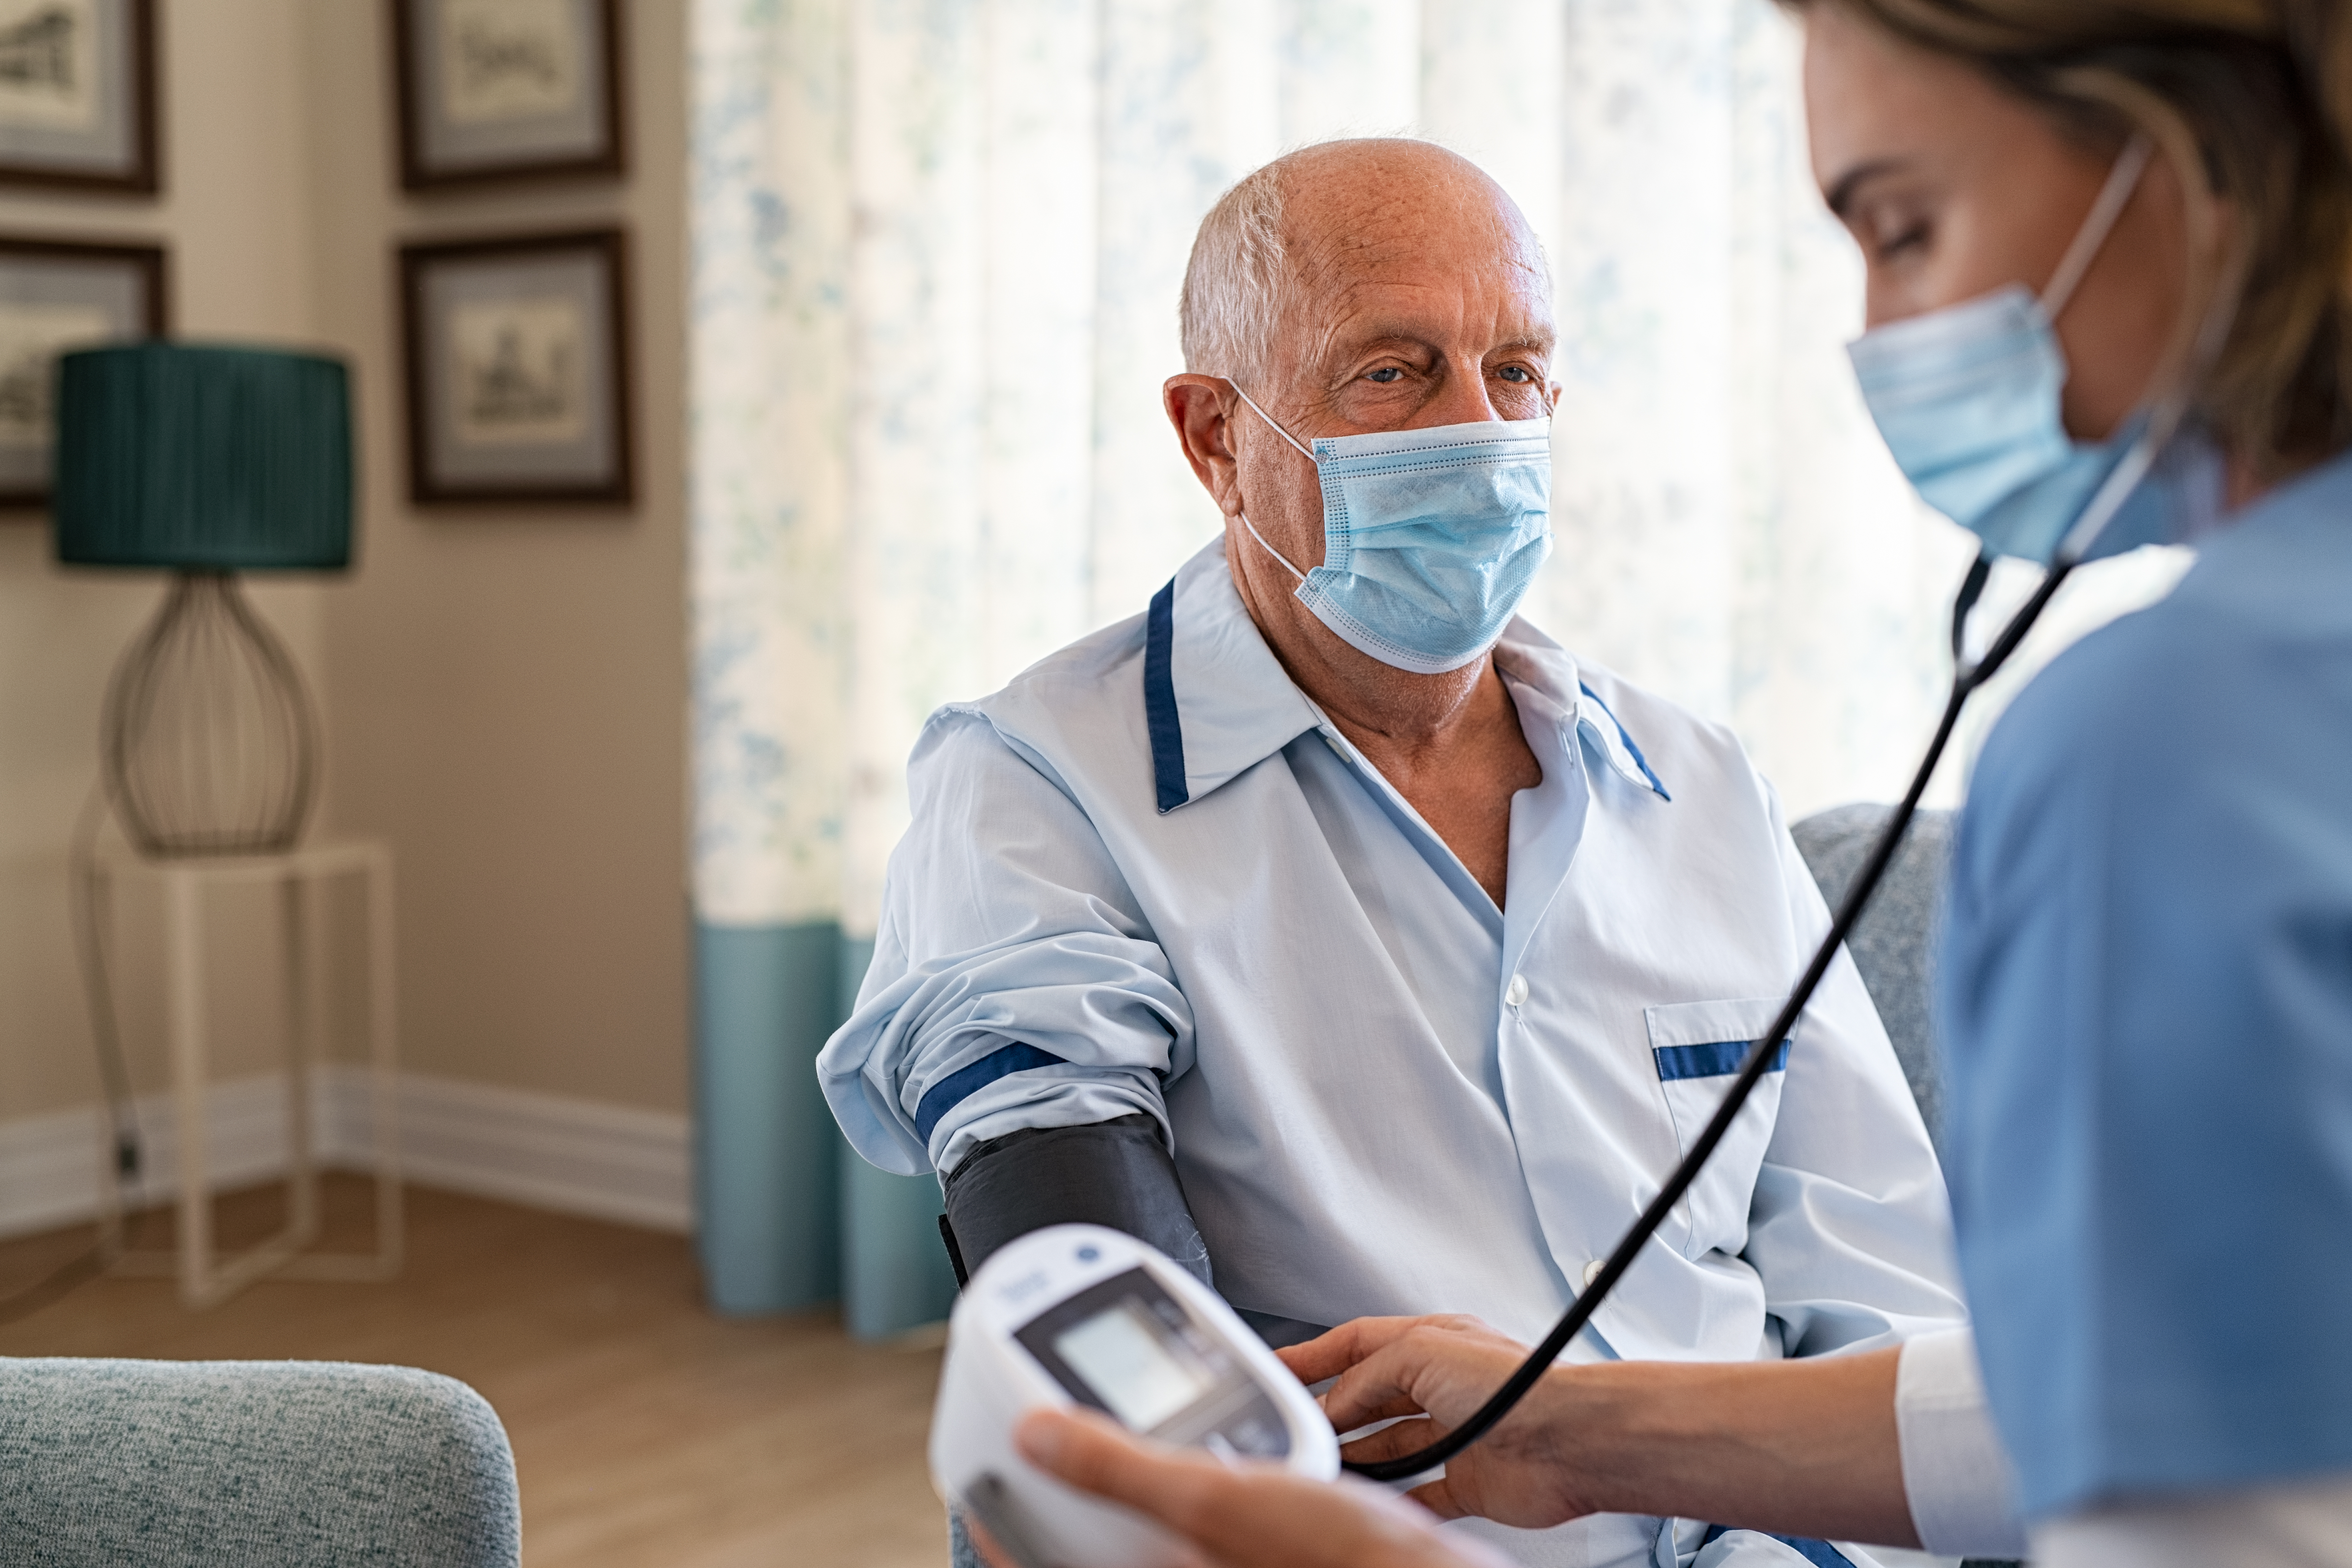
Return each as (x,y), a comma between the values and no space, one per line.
(509,685)
(504,690)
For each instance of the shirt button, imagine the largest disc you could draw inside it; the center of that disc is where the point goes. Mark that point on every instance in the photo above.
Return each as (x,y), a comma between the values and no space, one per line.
(1517,992)
(1591,1272)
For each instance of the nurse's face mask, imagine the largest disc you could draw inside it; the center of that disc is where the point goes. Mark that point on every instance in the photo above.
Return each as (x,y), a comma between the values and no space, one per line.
(1967,398)
(1430,537)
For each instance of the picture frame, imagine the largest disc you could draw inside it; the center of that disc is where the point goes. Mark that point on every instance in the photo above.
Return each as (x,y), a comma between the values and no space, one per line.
(516,354)
(55,295)
(78,84)
(506,89)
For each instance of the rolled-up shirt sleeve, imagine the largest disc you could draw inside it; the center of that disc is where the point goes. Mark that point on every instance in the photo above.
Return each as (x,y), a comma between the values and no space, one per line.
(1956,1475)
(1015,983)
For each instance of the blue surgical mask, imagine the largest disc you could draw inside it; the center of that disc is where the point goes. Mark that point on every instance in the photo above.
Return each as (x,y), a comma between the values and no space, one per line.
(1430,537)
(1967,400)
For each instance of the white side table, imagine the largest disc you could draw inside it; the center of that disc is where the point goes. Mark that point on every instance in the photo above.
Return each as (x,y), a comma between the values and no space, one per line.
(206,1280)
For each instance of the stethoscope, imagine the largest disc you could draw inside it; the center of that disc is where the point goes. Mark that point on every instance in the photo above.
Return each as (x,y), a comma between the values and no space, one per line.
(1967,680)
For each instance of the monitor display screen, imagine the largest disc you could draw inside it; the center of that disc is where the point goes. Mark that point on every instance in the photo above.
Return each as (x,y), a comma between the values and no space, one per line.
(1138,1372)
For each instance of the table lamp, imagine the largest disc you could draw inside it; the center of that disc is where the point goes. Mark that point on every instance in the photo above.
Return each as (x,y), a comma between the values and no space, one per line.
(206,461)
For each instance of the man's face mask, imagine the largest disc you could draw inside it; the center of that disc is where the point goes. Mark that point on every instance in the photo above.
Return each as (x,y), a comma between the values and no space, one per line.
(1430,537)
(1967,398)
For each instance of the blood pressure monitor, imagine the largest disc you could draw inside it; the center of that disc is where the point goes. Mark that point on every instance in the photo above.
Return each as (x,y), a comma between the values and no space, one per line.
(1076,1314)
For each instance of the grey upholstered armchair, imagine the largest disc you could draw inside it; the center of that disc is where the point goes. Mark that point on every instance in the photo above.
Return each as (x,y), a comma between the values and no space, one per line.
(1893,943)
(148,1463)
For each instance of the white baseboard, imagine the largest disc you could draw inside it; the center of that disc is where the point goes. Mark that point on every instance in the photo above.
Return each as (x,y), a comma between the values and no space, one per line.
(49,1170)
(551,1152)
(546,1151)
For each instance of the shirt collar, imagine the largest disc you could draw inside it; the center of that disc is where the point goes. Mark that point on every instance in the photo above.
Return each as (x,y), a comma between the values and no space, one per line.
(1217,702)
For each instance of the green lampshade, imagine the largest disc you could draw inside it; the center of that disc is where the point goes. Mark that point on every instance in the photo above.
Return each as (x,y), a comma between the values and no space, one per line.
(203,459)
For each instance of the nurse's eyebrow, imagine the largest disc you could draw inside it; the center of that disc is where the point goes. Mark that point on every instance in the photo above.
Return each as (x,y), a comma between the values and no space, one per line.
(1841,195)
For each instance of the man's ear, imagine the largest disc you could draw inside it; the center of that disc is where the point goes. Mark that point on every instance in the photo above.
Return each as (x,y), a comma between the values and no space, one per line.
(1200,409)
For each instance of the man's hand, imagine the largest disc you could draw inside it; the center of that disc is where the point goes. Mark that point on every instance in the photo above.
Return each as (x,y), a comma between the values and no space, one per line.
(1428,1375)
(1248,1516)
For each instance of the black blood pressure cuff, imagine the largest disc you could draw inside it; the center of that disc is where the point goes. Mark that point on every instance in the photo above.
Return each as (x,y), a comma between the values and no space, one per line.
(1116,1173)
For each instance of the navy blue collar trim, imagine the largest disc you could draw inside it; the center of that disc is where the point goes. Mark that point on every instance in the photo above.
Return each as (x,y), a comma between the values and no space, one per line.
(1640,761)
(1820,1554)
(1160,717)
(1166,728)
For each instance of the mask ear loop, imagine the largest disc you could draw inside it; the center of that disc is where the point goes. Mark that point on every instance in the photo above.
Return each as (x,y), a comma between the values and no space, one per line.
(2125,478)
(2172,411)
(2122,181)
(1303,452)
(1269,548)
(1261,413)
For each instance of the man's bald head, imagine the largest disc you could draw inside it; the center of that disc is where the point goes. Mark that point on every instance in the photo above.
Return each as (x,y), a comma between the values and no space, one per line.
(1301,224)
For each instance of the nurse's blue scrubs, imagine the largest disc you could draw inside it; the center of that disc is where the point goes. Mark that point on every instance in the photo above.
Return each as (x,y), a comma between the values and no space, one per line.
(2146,995)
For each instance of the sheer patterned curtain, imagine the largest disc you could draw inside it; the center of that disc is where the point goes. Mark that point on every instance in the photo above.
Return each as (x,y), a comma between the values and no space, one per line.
(937,249)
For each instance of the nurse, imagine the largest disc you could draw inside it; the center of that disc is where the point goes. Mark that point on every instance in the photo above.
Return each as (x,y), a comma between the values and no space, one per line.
(2090,230)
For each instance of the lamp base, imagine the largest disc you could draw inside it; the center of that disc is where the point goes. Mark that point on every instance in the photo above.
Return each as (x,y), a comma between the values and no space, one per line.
(208,742)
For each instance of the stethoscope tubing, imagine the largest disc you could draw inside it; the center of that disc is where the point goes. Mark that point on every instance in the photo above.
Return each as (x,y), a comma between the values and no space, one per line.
(1966,679)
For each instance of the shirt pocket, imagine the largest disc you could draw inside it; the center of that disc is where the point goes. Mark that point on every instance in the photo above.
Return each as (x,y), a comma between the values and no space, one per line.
(1697,1048)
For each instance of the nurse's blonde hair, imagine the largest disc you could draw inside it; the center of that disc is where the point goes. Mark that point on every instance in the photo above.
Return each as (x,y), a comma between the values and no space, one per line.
(2251,102)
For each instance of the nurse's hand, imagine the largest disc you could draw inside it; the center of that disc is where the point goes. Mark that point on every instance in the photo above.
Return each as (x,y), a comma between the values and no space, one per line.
(1442,1369)
(1803,1447)
(1245,1516)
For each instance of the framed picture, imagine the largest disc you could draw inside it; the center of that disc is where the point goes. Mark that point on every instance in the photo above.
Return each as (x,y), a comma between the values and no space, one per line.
(502,89)
(78,93)
(57,295)
(518,369)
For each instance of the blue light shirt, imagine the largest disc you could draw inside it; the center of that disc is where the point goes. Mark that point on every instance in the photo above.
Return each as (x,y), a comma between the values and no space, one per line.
(2147,999)
(1150,876)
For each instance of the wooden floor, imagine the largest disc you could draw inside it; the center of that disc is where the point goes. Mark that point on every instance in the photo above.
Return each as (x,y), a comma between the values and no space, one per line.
(644,1429)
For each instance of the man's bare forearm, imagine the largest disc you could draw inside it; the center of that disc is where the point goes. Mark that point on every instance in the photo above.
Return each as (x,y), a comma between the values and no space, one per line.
(1802,1448)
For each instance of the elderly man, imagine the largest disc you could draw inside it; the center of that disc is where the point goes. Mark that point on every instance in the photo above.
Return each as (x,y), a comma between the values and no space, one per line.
(1344,935)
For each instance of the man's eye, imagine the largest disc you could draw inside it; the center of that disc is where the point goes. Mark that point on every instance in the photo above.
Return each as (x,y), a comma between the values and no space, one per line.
(1515,372)
(1386,374)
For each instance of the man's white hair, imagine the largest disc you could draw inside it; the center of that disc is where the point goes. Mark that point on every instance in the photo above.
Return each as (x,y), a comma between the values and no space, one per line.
(1235,282)
(1239,273)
